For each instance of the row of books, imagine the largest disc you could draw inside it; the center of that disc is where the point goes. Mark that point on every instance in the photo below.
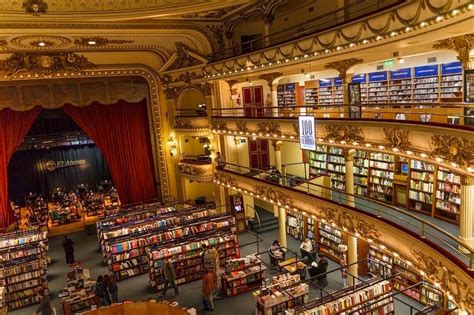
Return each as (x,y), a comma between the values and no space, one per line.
(280,292)
(242,275)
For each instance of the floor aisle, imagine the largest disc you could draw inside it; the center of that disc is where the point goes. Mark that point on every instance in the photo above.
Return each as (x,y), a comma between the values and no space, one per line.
(137,288)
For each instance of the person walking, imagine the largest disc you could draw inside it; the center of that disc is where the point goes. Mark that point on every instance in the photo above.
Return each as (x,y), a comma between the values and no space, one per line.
(101,291)
(170,277)
(112,287)
(321,275)
(208,288)
(45,307)
(68,245)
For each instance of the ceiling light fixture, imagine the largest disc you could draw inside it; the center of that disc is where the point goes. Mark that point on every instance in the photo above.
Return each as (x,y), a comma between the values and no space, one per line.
(92,42)
(41,44)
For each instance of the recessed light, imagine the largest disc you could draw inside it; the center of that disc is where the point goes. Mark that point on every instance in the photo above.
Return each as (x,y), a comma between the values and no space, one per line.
(41,44)
(92,42)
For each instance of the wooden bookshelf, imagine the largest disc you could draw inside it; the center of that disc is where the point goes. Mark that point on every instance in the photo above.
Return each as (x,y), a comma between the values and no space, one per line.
(448,195)
(421,186)
(311,93)
(378,87)
(186,254)
(381,171)
(23,268)
(318,161)
(336,168)
(329,239)
(361,170)
(295,225)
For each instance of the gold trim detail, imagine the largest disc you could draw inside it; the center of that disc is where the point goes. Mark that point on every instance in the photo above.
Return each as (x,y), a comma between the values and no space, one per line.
(269,127)
(219,125)
(397,138)
(447,279)
(99,41)
(226,180)
(270,77)
(273,195)
(461,44)
(43,64)
(241,126)
(35,7)
(352,223)
(454,149)
(342,66)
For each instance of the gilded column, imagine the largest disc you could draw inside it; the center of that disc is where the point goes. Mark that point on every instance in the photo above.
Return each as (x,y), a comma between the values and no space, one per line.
(282,227)
(270,77)
(351,240)
(466,218)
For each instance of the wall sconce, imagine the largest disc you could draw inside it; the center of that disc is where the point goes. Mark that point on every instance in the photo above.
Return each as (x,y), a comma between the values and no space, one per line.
(172,146)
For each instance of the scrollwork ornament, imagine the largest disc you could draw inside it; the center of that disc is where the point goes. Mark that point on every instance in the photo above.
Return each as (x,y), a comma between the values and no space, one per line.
(241,126)
(461,44)
(459,290)
(453,149)
(271,128)
(274,195)
(342,66)
(346,133)
(397,138)
(352,223)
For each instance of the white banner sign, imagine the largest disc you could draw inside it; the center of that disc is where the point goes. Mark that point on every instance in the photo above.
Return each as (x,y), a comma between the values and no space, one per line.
(307,133)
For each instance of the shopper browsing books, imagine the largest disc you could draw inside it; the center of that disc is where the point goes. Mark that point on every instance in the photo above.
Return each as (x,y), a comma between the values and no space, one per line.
(306,248)
(208,288)
(170,277)
(45,307)
(276,252)
(101,291)
(112,288)
(321,276)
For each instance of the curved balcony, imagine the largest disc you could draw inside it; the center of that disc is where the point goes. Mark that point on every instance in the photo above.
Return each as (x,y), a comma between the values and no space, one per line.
(197,168)
(438,254)
(191,120)
(410,19)
(440,134)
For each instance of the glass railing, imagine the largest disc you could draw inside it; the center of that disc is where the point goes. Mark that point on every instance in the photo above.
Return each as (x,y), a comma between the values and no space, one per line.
(351,12)
(451,114)
(423,229)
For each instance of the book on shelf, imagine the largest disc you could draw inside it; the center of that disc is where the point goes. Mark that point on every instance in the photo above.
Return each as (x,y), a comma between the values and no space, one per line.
(242,274)
(448,192)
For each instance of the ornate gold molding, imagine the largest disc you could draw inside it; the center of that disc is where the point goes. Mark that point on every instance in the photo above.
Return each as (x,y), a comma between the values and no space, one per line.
(346,133)
(241,126)
(270,77)
(219,125)
(186,57)
(183,124)
(461,44)
(342,66)
(454,149)
(397,138)
(296,128)
(351,223)
(447,279)
(271,128)
(43,64)
(95,41)
(225,180)
(35,7)
(273,195)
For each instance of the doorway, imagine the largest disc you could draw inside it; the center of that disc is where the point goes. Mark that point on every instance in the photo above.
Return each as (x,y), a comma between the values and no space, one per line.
(253,101)
(259,155)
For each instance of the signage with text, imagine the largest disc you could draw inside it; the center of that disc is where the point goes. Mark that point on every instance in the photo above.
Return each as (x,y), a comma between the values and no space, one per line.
(451,68)
(378,76)
(307,133)
(54,165)
(426,71)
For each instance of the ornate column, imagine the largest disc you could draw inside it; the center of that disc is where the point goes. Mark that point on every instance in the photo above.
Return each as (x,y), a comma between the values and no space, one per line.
(267,20)
(466,218)
(282,227)
(270,77)
(343,66)
(351,240)
(276,144)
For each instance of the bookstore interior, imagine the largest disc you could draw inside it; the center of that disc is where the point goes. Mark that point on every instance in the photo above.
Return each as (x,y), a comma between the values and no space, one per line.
(267,157)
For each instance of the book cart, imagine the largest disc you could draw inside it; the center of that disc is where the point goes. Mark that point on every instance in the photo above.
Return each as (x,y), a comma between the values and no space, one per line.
(79,294)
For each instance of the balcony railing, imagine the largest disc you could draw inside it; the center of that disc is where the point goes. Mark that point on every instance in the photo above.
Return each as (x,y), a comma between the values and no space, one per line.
(346,14)
(198,112)
(404,219)
(452,114)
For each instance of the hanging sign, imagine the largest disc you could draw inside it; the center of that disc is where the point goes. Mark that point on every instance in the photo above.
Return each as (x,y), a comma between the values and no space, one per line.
(359,78)
(451,68)
(426,71)
(378,76)
(400,74)
(307,133)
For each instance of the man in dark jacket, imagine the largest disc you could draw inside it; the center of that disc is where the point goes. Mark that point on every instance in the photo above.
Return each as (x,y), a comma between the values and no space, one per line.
(321,275)
(68,245)
(45,307)
(170,277)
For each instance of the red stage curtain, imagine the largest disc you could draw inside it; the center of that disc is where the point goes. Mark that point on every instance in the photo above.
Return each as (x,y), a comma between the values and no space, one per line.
(13,128)
(122,132)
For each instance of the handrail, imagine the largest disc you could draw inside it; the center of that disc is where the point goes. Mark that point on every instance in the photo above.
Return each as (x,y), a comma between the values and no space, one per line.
(307,28)
(450,114)
(421,227)
(190,112)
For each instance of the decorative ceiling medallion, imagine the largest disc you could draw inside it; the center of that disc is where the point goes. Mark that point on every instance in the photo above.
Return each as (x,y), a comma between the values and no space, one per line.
(99,41)
(40,41)
(35,7)
(45,64)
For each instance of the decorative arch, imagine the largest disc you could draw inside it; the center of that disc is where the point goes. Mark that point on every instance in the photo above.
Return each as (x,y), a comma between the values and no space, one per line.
(190,94)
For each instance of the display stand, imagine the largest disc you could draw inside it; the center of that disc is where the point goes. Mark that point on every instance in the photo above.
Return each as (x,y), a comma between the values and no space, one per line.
(79,294)
(237,208)
(242,275)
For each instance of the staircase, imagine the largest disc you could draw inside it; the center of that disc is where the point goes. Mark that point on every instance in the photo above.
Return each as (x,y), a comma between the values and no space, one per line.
(267,222)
